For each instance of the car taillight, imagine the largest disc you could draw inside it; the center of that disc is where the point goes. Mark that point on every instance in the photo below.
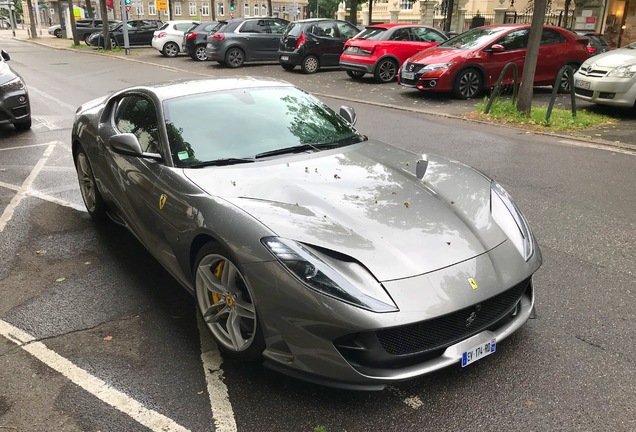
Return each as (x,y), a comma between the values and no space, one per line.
(591,49)
(367,50)
(301,40)
(162,34)
(219,36)
(191,35)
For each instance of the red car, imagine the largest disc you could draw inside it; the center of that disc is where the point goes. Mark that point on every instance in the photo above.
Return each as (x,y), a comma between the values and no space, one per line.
(473,61)
(380,49)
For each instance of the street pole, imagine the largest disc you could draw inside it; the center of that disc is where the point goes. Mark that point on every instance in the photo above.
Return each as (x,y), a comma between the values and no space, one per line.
(124,27)
(12,17)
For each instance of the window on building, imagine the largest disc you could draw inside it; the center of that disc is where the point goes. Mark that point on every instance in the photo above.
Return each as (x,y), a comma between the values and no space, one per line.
(264,10)
(205,9)
(406,4)
(152,9)
(246,9)
(140,9)
(220,10)
(192,8)
(177,8)
(255,9)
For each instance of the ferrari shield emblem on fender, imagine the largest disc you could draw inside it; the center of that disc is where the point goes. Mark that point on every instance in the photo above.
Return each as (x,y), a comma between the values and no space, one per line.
(162,201)
(473,283)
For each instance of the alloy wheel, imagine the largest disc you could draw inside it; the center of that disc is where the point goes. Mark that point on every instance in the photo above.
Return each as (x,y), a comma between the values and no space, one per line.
(235,58)
(199,53)
(386,71)
(469,84)
(170,49)
(86,182)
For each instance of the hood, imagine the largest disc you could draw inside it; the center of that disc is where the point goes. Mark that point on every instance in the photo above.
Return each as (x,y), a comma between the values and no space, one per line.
(437,55)
(612,59)
(6,74)
(365,201)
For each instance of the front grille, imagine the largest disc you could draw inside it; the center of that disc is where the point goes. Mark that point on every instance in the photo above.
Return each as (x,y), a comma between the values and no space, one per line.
(20,111)
(452,328)
(583,92)
(598,73)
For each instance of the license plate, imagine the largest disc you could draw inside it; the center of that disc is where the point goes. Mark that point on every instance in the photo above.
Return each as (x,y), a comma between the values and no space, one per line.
(284,58)
(479,352)
(408,75)
(352,49)
(582,84)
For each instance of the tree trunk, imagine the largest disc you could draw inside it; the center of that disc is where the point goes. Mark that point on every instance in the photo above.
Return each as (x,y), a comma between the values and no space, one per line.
(370,12)
(353,15)
(270,11)
(213,6)
(34,33)
(104,13)
(524,103)
(73,28)
(89,9)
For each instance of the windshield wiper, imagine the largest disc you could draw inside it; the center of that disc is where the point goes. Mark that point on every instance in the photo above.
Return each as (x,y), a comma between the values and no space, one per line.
(221,162)
(286,150)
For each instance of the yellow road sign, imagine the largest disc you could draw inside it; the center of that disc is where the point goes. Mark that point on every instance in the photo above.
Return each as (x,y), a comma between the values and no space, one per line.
(162,5)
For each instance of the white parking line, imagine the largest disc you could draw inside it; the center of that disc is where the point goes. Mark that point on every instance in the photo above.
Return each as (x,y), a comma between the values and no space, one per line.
(8,211)
(598,147)
(98,388)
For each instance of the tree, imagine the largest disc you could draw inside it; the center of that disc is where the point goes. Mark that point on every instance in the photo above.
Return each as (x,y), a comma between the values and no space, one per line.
(353,15)
(270,11)
(32,20)
(89,8)
(73,28)
(524,102)
(105,28)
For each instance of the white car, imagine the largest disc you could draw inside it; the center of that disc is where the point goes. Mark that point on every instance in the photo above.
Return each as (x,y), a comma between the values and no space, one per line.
(169,37)
(608,78)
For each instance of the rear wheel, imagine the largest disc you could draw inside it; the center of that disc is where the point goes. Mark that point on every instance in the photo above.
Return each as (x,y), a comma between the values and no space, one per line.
(386,70)
(57,33)
(199,53)
(113,42)
(355,74)
(310,64)
(88,187)
(86,38)
(170,49)
(226,304)
(287,66)
(468,83)
(235,58)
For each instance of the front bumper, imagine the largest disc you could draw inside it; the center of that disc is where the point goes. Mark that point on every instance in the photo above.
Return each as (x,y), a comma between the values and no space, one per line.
(434,80)
(605,90)
(14,107)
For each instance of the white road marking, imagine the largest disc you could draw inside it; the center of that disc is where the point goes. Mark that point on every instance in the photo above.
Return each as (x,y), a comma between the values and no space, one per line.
(57,201)
(599,147)
(222,412)
(98,388)
(8,211)
(28,146)
(56,101)
(9,186)
(44,122)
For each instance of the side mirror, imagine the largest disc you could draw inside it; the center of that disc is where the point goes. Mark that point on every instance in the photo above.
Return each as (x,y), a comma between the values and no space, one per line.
(5,56)
(349,114)
(496,48)
(126,144)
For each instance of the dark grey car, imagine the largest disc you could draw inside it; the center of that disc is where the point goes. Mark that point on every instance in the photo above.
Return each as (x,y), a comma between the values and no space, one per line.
(14,97)
(245,40)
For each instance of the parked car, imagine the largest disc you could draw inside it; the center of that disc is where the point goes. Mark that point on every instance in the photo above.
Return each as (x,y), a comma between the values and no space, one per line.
(608,78)
(283,221)
(140,32)
(314,43)
(169,37)
(196,38)
(472,61)
(55,30)
(596,44)
(83,27)
(15,107)
(242,40)
(381,49)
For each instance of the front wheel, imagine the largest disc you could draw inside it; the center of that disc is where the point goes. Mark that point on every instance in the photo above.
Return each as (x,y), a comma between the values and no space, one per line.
(88,187)
(355,74)
(386,71)
(57,33)
(113,42)
(226,304)
(234,58)
(170,49)
(86,38)
(468,84)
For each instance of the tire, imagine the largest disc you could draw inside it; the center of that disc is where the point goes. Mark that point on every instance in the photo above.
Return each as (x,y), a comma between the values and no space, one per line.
(355,74)
(564,84)
(57,33)
(88,187)
(199,53)
(234,58)
(86,38)
(468,84)
(310,64)
(287,66)
(170,49)
(226,304)
(385,71)
(23,125)
(113,43)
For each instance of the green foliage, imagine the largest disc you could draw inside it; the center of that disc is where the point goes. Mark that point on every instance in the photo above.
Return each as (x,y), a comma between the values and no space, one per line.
(560,120)
(320,429)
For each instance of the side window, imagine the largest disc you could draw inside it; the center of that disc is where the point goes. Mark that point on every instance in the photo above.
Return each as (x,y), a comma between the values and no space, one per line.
(427,35)
(254,26)
(277,26)
(401,34)
(347,30)
(324,29)
(551,37)
(515,40)
(183,26)
(137,115)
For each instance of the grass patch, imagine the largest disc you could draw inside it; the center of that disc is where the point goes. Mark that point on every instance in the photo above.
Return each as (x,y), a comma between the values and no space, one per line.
(560,120)
(320,429)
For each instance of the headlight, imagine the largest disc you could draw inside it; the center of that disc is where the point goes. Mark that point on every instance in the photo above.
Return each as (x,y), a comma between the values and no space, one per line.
(14,84)
(436,66)
(506,214)
(319,276)
(626,71)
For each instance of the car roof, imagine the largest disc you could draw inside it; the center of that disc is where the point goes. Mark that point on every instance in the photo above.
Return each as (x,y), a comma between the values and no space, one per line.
(188,87)
(391,25)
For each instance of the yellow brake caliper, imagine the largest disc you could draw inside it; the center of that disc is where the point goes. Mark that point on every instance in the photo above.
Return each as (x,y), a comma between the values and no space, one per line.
(218,271)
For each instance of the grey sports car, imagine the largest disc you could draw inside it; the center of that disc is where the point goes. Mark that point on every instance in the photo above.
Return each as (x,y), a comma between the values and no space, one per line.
(332,257)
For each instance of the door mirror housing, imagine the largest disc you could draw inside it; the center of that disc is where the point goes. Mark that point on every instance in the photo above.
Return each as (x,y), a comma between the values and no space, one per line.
(128,144)
(496,48)
(349,114)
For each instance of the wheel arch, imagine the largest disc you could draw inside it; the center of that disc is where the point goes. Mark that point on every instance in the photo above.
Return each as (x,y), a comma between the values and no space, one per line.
(387,57)
(478,68)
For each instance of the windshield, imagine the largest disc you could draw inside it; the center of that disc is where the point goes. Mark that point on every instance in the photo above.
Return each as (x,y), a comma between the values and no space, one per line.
(474,38)
(247,123)
(372,33)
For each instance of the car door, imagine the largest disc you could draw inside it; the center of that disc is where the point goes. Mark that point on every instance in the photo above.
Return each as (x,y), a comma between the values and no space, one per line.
(328,45)
(255,39)
(345,31)
(515,44)
(134,36)
(553,53)
(276,28)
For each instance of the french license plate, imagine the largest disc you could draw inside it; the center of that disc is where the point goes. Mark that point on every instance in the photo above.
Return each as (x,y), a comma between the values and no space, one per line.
(284,58)
(479,352)
(582,84)
(408,75)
